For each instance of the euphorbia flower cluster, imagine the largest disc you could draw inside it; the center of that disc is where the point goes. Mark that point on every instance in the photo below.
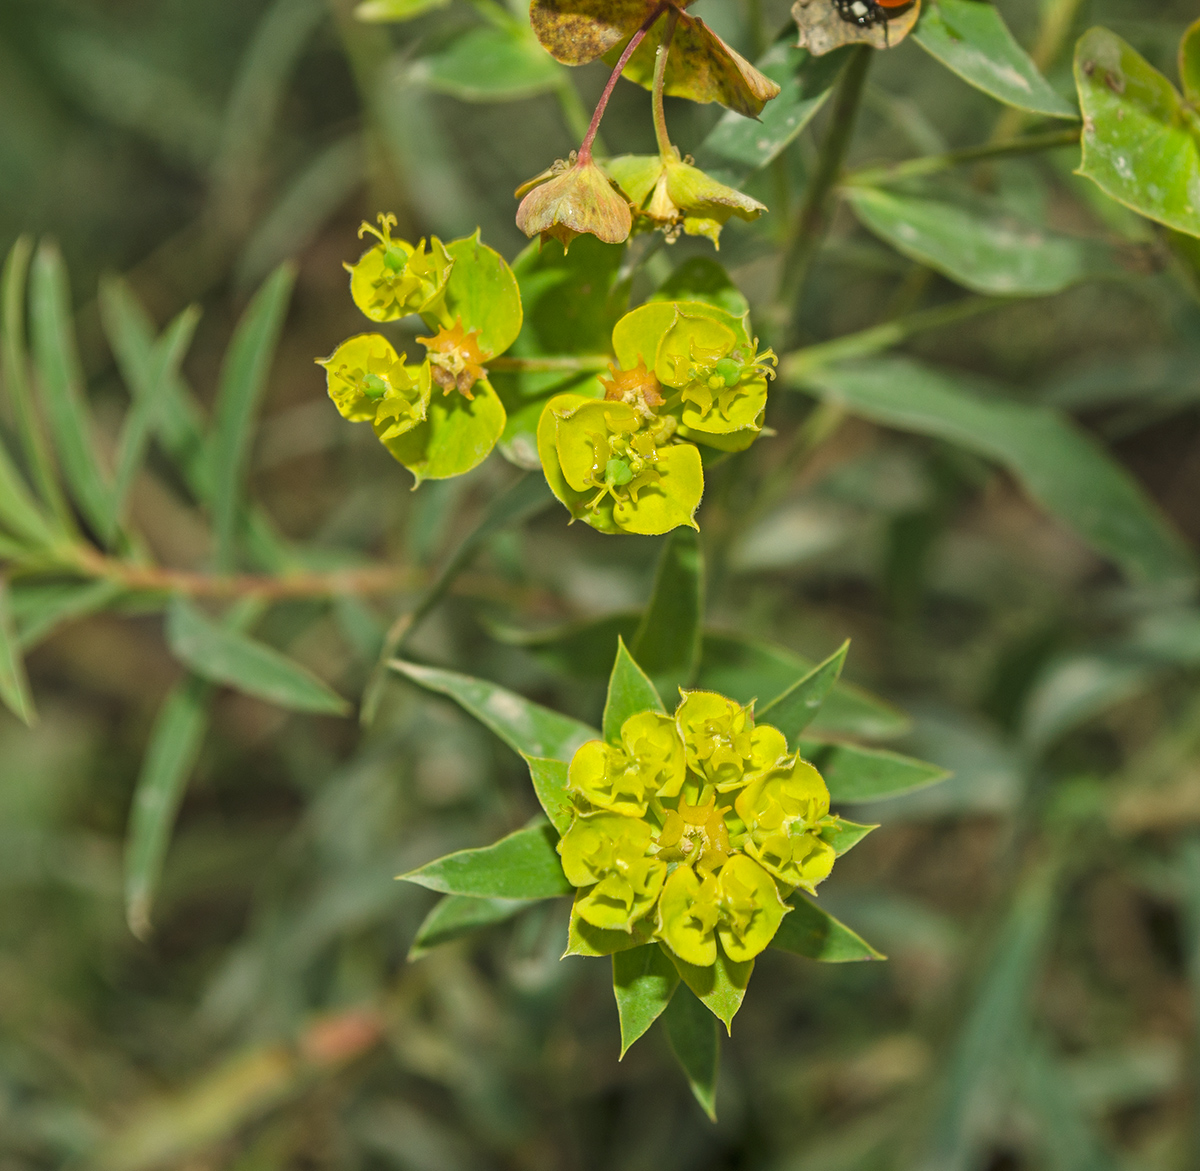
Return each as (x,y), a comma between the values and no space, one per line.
(693,830)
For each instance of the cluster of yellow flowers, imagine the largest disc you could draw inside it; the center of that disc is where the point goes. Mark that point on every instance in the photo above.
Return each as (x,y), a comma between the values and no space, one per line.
(694,829)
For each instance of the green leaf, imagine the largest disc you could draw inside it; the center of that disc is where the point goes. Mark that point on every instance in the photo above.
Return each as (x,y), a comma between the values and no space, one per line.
(149,385)
(585,940)
(61,380)
(243,380)
(171,756)
(550,784)
(524,865)
(798,706)
(457,435)
(490,64)
(384,10)
(700,278)
(629,692)
(1189,63)
(14,363)
(809,931)
(1063,470)
(696,1043)
(221,655)
(644,981)
(972,40)
(1141,145)
(455,916)
(526,727)
(856,774)
(844,835)
(40,608)
(805,82)
(483,292)
(667,641)
(746,670)
(978,244)
(14,686)
(720,987)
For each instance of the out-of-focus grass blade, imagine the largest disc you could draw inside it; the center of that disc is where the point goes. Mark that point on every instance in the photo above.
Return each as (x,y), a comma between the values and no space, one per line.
(61,384)
(226,656)
(14,361)
(170,757)
(38,609)
(996,1025)
(667,643)
(14,686)
(149,394)
(243,379)
(696,1043)
(457,915)
(1069,1140)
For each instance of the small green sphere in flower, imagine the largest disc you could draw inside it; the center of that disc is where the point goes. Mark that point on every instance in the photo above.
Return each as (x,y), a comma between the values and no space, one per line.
(369,383)
(394,278)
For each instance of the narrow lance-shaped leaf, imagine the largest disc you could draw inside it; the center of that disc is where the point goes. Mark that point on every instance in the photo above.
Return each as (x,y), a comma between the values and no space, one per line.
(629,692)
(696,1044)
(170,757)
(721,987)
(456,916)
(972,40)
(797,707)
(1064,471)
(856,774)
(810,931)
(61,382)
(40,609)
(524,865)
(667,642)
(243,379)
(226,656)
(525,726)
(14,686)
(644,981)
(549,779)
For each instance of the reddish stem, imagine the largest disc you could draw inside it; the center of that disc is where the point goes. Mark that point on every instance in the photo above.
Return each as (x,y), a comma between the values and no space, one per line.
(585,147)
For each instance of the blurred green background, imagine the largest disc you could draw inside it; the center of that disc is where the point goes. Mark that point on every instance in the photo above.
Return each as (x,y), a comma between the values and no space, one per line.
(1041,910)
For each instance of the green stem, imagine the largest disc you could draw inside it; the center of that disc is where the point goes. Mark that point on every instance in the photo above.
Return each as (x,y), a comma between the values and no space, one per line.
(930,164)
(811,221)
(665,149)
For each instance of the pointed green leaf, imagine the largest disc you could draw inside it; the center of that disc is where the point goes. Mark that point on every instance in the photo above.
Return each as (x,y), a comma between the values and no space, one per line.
(972,40)
(583,939)
(797,707)
(550,784)
(644,981)
(629,692)
(526,727)
(38,609)
(980,244)
(1141,144)
(844,835)
(243,380)
(171,755)
(61,381)
(809,931)
(490,64)
(696,1043)
(667,642)
(524,865)
(720,987)
(868,774)
(14,686)
(455,916)
(1062,469)
(221,655)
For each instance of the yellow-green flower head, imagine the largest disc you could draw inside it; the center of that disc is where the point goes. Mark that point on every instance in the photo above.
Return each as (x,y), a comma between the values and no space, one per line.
(783,811)
(720,739)
(722,382)
(369,383)
(623,778)
(393,278)
(616,469)
(610,857)
(741,905)
(695,834)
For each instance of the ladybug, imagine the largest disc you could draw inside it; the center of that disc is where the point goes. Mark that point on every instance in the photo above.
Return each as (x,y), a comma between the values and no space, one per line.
(866,13)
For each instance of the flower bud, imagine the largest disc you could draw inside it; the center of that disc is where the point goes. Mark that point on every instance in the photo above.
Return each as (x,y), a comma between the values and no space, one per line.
(572,199)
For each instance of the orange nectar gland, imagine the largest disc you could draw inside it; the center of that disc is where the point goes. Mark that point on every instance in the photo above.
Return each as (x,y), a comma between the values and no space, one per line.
(455,359)
(637,387)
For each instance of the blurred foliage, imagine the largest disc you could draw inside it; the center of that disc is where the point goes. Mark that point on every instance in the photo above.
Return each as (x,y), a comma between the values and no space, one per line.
(1002,518)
